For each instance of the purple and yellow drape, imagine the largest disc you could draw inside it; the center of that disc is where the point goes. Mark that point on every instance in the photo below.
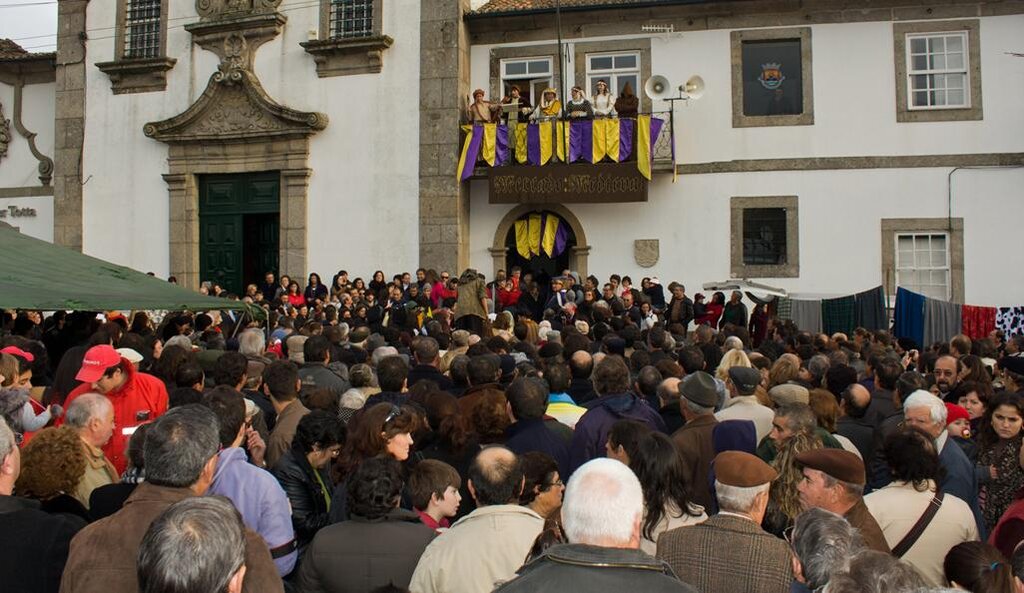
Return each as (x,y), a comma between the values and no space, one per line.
(536,143)
(541,233)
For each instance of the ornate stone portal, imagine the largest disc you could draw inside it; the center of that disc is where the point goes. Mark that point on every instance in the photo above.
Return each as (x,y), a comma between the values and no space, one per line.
(236,127)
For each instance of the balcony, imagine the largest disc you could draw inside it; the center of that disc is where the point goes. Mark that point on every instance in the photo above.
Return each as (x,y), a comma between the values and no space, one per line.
(523,148)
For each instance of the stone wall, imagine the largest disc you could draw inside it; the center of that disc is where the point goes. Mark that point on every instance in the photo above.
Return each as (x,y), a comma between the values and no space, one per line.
(69,127)
(444,84)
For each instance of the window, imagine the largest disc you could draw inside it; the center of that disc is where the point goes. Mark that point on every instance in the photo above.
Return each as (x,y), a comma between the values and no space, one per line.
(142,29)
(938,77)
(765,237)
(615,69)
(350,39)
(925,255)
(351,18)
(531,74)
(140,61)
(771,78)
(922,263)
(937,71)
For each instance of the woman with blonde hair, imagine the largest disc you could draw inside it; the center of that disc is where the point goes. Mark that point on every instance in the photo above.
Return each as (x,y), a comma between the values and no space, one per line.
(785,369)
(783,497)
(732,358)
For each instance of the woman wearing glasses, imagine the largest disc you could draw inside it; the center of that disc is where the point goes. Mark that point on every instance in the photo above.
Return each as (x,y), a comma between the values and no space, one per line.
(382,429)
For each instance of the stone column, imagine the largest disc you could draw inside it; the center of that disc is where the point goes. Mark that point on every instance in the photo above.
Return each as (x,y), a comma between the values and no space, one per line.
(69,124)
(444,84)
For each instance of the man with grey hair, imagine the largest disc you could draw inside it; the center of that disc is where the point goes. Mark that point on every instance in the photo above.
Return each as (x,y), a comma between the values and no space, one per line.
(730,552)
(92,417)
(823,543)
(197,544)
(34,542)
(925,412)
(601,514)
(181,454)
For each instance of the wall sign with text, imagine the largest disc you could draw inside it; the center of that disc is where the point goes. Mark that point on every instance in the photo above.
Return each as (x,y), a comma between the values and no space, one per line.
(557,183)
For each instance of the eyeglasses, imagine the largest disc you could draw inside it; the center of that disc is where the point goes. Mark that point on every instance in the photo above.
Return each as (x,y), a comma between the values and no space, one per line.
(554,484)
(19,438)
(787,534)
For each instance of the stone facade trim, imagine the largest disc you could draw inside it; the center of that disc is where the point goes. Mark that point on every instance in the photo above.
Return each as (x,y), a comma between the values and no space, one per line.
(738,269)
(903,111)
(344,57)
(579,254)
(953,226)
(137,75)
(997,159)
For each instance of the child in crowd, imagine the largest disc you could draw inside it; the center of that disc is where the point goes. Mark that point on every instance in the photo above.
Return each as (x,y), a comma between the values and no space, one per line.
(434,492)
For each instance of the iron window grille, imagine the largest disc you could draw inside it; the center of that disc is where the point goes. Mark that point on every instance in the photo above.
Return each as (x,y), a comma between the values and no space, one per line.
(351,18)
(142,28)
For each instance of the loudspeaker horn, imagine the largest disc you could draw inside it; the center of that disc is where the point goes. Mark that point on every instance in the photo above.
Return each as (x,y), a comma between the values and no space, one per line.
(657,87)
(694,87)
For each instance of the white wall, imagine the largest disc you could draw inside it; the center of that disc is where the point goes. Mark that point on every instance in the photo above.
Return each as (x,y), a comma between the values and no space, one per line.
(363,191)
(32,216)
(19,168)
(839,211)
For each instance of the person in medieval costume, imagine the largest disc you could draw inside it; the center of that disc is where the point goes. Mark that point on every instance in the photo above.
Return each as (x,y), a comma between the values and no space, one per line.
(628,104)
(578,107)
(603,101)
(548,107)
(523,107)
(481,111)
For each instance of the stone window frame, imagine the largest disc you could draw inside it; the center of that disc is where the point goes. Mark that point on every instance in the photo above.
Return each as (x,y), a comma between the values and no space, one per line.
(137,75)
(736,39)
(904,114)
(954,227)
(791,269)
(346,56)
(579,72)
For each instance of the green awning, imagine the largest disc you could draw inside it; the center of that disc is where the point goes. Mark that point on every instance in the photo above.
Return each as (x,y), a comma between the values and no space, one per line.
(35,274)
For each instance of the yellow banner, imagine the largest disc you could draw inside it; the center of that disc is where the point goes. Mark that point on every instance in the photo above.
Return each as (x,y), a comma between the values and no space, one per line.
(600,139)
(611,134)
(562,129)
(520,140)
(545,144)
(643,145)
(523,238)
(490,143)
(535,229)
(550,230)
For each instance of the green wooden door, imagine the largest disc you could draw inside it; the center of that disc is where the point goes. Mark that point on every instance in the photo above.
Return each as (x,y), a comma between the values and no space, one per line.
(239,227)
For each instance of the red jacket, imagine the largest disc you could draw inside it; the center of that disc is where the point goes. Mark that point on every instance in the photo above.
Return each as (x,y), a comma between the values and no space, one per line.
(141,399)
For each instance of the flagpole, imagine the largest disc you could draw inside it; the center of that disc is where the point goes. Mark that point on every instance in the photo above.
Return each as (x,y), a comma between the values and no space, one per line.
(561,58)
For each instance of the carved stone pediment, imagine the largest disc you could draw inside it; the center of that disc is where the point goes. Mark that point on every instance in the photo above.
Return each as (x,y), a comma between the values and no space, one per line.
(235,107)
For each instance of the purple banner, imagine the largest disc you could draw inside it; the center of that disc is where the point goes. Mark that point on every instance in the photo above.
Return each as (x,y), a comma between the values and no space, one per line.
(533,144)
(501,145)
(656,125)
(561,237)
(473,153)
(625,138)
(586,148)
(575,140)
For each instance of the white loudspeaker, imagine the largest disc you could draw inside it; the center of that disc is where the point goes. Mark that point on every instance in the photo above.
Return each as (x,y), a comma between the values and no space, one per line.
(657,87)
(694,87)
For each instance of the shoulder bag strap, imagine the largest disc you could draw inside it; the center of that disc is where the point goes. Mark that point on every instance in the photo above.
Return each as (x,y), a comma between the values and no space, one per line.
(915,532)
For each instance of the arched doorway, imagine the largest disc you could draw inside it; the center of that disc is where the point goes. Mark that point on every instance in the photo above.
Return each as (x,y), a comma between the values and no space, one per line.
(574,256)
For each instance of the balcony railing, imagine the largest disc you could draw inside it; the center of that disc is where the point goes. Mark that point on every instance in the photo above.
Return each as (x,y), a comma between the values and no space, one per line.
(513,156)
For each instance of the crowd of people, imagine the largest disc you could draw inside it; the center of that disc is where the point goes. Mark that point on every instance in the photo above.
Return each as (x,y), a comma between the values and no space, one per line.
(436,434)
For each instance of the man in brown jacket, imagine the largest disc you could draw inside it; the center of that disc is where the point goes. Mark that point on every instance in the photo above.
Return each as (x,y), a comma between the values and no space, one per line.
(730,552)
(834,480)
(699,394)
(282,383)
(181,456)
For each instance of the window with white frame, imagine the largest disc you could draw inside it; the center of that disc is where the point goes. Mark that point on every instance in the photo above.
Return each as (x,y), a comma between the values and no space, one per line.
(923,263)
(531,75)
(937,70)
(615,69)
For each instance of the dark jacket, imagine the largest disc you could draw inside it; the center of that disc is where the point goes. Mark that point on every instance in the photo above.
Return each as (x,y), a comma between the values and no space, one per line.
(961,481)
(360,555)
(428,372)
(592,430)
(580,567)
(880,407)
(534,435)
(581,390)
(35,545)
(309,505)
(697,450)
(317,375)
(860,432)
(734,313)
(103,555)
(108,499)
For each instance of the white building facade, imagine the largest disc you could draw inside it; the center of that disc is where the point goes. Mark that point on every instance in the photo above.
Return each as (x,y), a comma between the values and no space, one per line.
(216,140)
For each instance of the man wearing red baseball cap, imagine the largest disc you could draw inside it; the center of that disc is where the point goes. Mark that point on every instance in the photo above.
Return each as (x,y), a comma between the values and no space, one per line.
(138,398)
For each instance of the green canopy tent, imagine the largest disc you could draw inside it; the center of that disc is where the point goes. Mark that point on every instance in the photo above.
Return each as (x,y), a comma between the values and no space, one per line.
(35,274)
